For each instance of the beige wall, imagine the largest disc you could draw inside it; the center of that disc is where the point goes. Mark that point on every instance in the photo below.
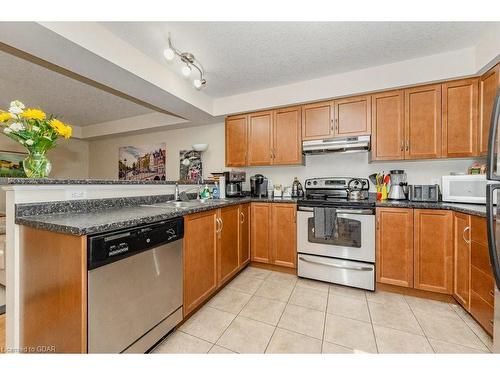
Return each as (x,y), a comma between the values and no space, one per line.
(104,159)
(103,153)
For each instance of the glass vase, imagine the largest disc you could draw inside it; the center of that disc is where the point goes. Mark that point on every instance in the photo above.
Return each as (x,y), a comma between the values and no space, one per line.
(36,165)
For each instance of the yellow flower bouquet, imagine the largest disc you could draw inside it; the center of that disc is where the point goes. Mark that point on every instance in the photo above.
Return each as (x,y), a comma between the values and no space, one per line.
(36,132)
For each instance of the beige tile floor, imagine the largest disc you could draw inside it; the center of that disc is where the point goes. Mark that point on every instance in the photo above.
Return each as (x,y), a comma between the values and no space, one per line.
(262,311)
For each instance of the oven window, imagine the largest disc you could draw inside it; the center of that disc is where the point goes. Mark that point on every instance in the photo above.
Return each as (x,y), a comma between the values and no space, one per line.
(348,233)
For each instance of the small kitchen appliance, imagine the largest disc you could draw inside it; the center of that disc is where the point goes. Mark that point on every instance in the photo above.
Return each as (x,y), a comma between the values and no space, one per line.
(398,182)
(467,188)
(347,255)
(234,183)
(258,186)
(424,193)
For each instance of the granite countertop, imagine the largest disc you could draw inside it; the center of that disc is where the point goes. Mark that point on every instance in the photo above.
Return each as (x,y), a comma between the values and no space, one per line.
(53,181)
(471,209)
(114,218)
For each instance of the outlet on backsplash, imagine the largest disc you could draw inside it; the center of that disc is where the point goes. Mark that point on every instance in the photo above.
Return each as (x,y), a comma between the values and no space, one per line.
(76,194)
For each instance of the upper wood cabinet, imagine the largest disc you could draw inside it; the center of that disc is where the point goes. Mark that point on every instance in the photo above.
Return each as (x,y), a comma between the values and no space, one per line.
(394,248)
(433,250)
(459,115)
(423,122)
(200,258)
(462,256)
(317,121)
(284,234)
(260,138)
(352,116)
(287,138)
(236,141)
(244,240)
(228,243)
(488,86)
(388,135)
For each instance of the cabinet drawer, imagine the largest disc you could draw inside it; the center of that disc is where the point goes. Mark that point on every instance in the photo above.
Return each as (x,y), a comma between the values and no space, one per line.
(482,311)
(483,285)
(478,230)
(481,258)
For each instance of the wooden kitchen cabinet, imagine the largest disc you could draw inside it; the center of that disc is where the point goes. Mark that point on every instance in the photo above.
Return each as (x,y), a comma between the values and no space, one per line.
(287,136)
(284,234)
(228,251)
(260,137)
(244,243)
(388,135)
(462,259)
(459,116)
(423,122)
(236,141)
(488,86)
(200,258)
(260,240)
(352,116)
(433,250)
(394,247)
(317,121)
(273,238)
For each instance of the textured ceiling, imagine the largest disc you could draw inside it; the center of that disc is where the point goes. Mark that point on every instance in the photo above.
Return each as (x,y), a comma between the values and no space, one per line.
(246,56)
(77,103)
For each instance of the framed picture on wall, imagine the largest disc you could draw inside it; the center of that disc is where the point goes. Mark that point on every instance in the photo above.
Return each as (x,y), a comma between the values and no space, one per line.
(143,162)
(11,163)
(191,168)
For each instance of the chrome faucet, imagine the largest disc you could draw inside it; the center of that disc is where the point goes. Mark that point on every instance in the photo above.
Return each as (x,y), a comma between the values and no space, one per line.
(176,193)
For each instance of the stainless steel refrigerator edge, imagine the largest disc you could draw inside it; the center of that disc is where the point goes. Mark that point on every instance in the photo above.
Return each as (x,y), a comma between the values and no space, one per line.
(492,211)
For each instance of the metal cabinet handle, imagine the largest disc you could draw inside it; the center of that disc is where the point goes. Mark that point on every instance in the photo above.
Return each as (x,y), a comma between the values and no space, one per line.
(219,225)
(337,125)
(463,235)
(337,266)
(402,145)
(492,293)
(407,145)
(242,217)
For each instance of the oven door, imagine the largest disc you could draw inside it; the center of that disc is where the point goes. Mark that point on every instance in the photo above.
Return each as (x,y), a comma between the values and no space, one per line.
(355,240)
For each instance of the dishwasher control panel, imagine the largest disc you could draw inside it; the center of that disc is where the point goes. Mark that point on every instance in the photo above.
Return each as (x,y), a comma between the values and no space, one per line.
(109,247)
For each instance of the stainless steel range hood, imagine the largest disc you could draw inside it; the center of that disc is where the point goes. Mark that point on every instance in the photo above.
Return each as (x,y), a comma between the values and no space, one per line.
(347,144)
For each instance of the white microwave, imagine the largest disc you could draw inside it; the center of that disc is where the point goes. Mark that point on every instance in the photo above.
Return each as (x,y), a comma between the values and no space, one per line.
(469,188)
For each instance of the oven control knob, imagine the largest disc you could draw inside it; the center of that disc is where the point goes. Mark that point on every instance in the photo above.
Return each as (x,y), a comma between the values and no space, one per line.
(315,182)
(309,182)
(148,240)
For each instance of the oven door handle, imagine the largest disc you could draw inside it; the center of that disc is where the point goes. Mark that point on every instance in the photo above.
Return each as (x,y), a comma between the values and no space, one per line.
(336,265)
(341,211)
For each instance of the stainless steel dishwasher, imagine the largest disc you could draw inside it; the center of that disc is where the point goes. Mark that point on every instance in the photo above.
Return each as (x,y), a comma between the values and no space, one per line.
(134,287)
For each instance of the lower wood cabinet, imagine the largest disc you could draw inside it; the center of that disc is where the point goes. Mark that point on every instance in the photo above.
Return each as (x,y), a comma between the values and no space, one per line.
(200,258)
(394,254)
(414,248)
(273,233)
(433,250)
(216,247)
(462,255)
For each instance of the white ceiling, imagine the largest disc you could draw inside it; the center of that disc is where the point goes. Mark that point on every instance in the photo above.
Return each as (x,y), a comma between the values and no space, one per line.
(246,56)
(77,103)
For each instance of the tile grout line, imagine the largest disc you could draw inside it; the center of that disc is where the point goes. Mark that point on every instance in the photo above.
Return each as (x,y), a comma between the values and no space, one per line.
(278,322)
(326,315)
(468,326)
(418,322)
(371,323)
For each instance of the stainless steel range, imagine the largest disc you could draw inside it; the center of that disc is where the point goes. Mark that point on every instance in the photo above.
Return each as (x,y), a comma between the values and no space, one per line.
(336,232)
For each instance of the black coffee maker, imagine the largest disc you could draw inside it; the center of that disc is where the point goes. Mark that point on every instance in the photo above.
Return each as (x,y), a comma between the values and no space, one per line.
(258,186)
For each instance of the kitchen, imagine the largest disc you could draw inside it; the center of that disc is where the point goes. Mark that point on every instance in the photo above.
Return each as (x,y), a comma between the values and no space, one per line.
(384,247)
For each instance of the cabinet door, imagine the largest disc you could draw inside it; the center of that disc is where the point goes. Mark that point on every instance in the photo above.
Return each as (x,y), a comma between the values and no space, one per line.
(260,240)
(388,126)
(200,258)
(287,137)
(423,122)
(462,256)
(260,127)
(317,121)
(236,141)
(284,234)
(488,86)
(353,116)
(244,239)
(228,244)
(459,130)
(433,250)
(394,252)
